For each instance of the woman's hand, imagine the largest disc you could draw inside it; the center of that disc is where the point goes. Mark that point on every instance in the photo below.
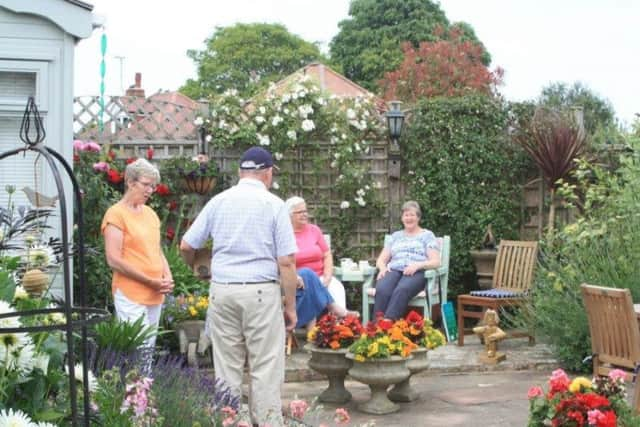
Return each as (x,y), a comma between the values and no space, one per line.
(382,272)
(299,283)
(411,269)
(163,285)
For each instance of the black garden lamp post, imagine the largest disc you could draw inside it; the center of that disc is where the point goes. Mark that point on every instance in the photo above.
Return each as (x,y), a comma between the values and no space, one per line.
(395,121)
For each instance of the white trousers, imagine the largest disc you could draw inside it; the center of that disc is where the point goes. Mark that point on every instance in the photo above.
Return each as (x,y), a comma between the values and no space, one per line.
(246,323)
(127,310)
(336,290)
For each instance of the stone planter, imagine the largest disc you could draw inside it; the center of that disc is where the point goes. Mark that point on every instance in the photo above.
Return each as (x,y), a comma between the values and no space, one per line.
(379,374)
(192,339)
(403,392)
(200,184)
(335,366)
(484,261)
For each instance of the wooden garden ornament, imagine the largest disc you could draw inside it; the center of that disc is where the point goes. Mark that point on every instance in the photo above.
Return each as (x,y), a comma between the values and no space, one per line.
(491,334)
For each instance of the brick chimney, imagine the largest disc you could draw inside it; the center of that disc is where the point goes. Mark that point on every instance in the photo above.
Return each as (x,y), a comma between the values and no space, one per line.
(136,89)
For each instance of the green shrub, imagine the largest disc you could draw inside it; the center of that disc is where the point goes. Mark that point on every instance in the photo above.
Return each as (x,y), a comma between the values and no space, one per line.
(601,248)
(462,168)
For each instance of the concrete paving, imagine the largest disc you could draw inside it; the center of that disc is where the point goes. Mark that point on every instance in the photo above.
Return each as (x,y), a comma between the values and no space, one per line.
(457,390)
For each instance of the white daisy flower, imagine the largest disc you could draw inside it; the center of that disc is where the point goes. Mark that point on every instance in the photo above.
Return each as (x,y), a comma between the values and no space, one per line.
(43,424)
(18,418)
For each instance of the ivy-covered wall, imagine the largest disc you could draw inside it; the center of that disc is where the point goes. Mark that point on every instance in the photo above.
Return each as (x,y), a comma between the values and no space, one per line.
(461,166)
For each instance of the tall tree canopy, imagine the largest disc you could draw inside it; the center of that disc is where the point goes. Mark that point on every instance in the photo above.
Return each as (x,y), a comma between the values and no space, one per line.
(247,57)
(369,43)
(598,112)
(447,67)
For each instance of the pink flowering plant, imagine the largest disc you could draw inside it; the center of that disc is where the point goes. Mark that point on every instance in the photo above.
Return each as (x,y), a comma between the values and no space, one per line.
(581,402)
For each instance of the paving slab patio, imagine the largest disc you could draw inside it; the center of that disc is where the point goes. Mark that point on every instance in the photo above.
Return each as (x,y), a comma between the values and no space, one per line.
(457,390)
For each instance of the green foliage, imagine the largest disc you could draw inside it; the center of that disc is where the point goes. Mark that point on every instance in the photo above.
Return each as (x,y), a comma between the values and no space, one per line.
(598,112)
(184,279)
(247,57)
(122,337)
(465,172)
(368,43)
(601,248)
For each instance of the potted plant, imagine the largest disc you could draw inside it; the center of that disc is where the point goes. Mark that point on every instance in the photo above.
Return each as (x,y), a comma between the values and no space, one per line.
(484,259)
(421,332)
(186,314)
(329,341)
(380,359)
(199,174)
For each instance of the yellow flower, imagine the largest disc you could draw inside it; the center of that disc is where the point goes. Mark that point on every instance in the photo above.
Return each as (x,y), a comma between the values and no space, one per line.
(359,358)
(192,311)
(373,349)
(579,383)
(311,335)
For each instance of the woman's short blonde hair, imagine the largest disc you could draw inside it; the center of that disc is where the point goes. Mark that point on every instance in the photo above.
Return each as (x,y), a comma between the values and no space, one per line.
(141,168)
(292,202)
(412,204)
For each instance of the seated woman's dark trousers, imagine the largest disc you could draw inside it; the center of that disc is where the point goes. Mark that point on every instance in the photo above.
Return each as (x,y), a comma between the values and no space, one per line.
(395,290)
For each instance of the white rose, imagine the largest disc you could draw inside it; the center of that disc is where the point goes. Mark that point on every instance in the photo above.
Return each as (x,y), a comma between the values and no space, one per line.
(344,205)
(292,134)
(198,121)
(308,125)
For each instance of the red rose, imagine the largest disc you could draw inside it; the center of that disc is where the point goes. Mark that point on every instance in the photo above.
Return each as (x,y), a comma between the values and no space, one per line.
(172,205)
(162,190)
(114,177)
(131,160)
(170,234)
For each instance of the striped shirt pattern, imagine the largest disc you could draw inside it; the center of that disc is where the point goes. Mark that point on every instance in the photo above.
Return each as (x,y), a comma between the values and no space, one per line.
(250,228)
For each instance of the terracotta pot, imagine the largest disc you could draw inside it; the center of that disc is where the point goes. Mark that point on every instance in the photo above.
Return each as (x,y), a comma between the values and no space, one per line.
(379,374)
(403,392)
(35,282)
(201,184)
(335,366)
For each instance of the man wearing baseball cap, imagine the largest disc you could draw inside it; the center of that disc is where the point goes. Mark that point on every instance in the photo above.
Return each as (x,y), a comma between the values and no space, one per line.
(252,258)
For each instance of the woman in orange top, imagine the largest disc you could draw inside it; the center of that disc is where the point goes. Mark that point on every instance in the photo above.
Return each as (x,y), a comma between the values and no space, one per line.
(141,275)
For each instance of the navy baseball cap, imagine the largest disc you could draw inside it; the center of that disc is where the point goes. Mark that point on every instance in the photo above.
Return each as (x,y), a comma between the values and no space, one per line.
(256,158)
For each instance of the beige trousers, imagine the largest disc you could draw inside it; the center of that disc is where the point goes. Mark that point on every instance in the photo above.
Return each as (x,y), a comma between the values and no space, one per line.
(247,320)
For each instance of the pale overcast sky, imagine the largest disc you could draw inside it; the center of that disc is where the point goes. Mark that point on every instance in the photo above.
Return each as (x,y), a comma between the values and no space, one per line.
(596,42)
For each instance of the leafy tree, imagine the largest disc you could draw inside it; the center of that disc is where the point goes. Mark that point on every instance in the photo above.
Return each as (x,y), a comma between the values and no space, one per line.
(446,67)
(598,112)
(369,43)
(247,57)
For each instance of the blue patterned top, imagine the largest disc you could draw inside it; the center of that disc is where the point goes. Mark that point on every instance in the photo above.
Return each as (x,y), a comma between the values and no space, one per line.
(409,249)
(250,228)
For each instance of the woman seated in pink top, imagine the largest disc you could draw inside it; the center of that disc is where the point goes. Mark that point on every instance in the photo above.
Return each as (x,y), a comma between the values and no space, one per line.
(313,251)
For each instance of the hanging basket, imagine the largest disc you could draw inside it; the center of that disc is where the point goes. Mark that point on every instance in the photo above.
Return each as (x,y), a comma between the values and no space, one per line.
(35,282)
(200,184)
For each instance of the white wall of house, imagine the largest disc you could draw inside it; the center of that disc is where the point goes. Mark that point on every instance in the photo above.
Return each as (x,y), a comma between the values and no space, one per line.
(37,41)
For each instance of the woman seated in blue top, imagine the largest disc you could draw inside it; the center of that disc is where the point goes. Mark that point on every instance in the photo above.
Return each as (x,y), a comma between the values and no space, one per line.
(405,256)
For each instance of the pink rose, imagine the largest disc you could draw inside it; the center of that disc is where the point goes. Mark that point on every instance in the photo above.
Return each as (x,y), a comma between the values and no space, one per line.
(559,382)
(101,167)
(78,145)
(594,416)
(92,146)
(298,408)
(618,374)
(535,392)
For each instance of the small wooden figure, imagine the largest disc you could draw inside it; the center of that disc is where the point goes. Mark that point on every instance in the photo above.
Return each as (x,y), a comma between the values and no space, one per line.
(491,334)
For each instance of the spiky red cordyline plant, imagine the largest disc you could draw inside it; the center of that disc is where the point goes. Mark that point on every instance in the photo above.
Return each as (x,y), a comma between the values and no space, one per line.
(554,142)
